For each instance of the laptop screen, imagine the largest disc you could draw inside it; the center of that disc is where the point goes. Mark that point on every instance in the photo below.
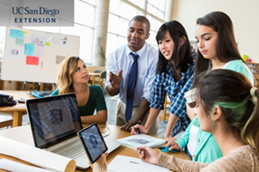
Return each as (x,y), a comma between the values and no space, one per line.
(53,119)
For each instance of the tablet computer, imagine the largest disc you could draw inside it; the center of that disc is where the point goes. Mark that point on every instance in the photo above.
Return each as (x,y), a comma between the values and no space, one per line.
(93,142)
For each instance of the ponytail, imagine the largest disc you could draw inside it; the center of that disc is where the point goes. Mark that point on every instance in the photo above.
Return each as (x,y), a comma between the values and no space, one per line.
(235,95)
(250,132)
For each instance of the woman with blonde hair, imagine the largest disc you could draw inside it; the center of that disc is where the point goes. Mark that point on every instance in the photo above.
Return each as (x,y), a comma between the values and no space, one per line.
(73,78)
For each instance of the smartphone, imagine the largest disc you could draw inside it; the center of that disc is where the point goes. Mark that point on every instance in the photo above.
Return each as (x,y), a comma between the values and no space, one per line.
(93,142)
(21,100)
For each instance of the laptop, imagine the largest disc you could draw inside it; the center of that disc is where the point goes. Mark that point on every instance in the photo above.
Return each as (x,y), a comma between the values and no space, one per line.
(55,122)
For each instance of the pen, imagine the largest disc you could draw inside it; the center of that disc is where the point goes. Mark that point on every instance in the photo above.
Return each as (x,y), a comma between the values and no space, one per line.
(166,149)
(134,162)
(137,129)
(161,147)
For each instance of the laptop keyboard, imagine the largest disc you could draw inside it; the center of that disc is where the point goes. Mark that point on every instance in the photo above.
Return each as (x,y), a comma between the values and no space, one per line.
(74,151)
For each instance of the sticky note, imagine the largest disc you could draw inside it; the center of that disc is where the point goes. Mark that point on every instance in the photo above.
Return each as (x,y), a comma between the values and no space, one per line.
(245,57)
(29,49)
(18,41)
(32,60)
(16,33)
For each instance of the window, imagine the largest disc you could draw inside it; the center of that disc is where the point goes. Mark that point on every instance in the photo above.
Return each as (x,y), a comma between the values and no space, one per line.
(2,41)
(156,8)
(139,3)
(121,11)
(84,13)
(155,25)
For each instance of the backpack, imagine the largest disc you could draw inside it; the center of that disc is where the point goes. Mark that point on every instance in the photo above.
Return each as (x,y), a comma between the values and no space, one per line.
(7,100)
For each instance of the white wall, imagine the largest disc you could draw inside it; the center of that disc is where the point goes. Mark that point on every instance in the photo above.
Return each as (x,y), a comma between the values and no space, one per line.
(244,15)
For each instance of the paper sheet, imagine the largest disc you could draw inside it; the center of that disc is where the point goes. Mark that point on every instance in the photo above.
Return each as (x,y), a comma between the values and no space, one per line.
(36,156)
(13,166)
(135,141)
(130,164)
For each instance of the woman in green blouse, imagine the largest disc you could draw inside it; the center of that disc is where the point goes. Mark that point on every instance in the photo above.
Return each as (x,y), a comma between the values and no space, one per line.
(73,78)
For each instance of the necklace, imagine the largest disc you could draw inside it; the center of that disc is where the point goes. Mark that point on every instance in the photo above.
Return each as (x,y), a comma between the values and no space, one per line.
(232,146)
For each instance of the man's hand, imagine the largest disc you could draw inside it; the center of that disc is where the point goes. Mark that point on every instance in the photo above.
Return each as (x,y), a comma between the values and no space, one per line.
(115,80)
(127,126)
(136,129)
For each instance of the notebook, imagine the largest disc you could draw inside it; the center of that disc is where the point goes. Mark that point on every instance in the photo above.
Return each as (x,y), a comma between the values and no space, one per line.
(55,122)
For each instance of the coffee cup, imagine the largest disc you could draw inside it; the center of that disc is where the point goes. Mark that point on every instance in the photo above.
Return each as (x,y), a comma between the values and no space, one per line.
(190,97)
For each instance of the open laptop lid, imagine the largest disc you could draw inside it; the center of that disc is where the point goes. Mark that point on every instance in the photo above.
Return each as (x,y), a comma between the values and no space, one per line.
(53,119)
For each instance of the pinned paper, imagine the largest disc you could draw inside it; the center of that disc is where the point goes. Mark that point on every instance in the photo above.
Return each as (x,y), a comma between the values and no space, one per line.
(29,49)
(38,39)
(14,52)
(32,60)
(59,59)
(64,40)
(18,41)
(59,40)
(39,51)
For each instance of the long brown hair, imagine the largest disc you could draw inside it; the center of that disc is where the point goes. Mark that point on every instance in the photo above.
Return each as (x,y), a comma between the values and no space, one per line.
(226,46)
(65,74)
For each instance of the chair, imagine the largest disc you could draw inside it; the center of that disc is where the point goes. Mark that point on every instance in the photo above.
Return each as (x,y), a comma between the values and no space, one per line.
(5,121)
(165,114)
(102,80)
(30,85)
(98,71)
(49,86)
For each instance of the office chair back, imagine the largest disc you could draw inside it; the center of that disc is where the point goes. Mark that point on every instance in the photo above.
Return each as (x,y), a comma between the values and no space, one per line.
(103,75)
(102,81)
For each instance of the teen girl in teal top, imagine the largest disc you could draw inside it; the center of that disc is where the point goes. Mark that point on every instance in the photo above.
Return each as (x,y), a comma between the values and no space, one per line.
(217,50)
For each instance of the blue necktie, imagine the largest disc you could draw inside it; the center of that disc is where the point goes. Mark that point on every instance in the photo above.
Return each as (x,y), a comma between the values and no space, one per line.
(131,86)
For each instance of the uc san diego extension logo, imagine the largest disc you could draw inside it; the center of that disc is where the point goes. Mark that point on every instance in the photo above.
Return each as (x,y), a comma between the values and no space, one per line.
(38,13)
(42,15)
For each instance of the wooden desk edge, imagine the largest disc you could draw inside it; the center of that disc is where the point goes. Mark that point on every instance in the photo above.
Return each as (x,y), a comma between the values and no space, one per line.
(122,150)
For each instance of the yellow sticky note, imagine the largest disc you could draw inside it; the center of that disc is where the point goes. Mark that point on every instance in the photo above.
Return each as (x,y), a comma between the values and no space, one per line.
(245,57)
(24,31)
(47,43)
